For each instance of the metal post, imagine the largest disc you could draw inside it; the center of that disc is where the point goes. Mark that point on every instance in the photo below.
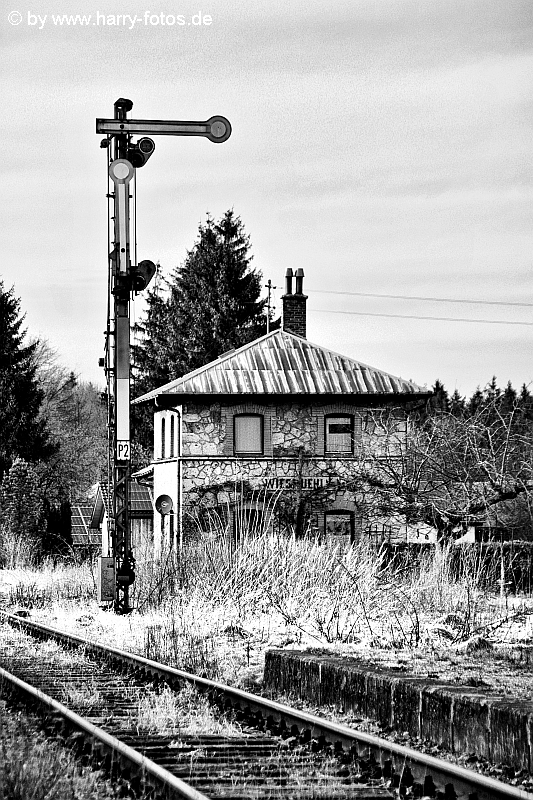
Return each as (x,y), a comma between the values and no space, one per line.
(121,173)
(124,279)
(269,286)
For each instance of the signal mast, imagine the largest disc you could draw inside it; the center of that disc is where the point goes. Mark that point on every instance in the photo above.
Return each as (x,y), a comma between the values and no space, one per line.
(116,573)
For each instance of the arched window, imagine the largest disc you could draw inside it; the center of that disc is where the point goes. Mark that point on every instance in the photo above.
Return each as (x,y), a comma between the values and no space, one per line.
(172,436)
(248,434)
(163,445)
(338,434)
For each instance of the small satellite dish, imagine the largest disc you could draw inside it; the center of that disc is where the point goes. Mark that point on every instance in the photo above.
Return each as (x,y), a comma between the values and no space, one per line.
(164,504)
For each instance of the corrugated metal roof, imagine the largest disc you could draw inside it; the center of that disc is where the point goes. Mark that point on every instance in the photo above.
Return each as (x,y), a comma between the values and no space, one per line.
(90,539)
(145,472)
(282,363)
(81,535)
(140,505)
(80,518)
(140,500)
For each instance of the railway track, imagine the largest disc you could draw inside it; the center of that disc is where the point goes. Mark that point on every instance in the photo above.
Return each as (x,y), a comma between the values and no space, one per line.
(280,753)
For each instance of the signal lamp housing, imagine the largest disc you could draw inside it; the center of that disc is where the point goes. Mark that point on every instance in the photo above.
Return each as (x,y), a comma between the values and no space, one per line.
(142,274)
(140,152)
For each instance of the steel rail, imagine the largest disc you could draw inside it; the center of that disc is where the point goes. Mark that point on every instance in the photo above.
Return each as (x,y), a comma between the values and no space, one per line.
(172,784)
(466,783)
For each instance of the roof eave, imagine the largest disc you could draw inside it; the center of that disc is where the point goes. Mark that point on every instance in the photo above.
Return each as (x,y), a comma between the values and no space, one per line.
(167,401)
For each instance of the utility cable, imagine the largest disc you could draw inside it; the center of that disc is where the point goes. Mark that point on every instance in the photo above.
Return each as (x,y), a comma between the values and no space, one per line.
(415,316)
(419,297)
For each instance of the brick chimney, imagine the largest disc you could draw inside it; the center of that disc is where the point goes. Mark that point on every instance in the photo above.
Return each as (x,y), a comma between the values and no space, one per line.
(294,311)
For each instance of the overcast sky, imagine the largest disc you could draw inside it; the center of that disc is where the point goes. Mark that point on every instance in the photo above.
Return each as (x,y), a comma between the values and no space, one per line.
(383,146)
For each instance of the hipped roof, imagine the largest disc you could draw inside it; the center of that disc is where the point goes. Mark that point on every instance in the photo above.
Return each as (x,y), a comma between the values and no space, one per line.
(281,363)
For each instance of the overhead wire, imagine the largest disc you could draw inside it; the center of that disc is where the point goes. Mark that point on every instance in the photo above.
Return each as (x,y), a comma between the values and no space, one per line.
(416,316)
(431,299)
(427,299)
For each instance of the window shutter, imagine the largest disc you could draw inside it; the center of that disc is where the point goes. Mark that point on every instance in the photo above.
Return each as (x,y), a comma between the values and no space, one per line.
(339,432)
(248,434)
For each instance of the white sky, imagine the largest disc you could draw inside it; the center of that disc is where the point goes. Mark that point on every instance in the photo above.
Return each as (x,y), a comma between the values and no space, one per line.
(384,146)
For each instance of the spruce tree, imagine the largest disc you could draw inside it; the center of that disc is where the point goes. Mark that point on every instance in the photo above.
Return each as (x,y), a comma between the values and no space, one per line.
(23,431)
(508,400)
(457,404)
(211,304)
(475,402)
(439,402)
(214,302)
(524,398)
(150,351)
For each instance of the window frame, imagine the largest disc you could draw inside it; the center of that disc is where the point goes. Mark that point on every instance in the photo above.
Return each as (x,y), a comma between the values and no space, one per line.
(339,453)
(339,512)
(246,453)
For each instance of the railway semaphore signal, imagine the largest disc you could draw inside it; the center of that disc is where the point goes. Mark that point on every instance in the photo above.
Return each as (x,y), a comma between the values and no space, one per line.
(125,279)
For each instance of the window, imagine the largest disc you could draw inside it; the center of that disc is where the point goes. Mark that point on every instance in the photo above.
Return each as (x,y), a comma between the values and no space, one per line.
(339,527)
(248,434)
(163,447)
(339,434)
(172,436)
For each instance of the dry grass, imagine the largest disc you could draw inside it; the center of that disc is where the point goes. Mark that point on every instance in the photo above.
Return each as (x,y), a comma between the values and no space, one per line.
(181,713)
(85,699)
(216,610)
(16,550)
(302,588)
(48,584)
(35,768)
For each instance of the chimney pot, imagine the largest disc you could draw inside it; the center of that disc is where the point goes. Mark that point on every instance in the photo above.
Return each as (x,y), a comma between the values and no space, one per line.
(288,281)
(299,281)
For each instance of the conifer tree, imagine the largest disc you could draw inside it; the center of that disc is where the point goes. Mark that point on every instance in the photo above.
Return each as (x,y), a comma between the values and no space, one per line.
(23,431)
(508,400)
(150,349)
(475,402)
(457,404)
(211,304)
(215,300)
(524,398)
(439,402)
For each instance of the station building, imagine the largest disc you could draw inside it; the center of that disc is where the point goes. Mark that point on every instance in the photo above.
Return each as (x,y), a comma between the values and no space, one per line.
(267,436)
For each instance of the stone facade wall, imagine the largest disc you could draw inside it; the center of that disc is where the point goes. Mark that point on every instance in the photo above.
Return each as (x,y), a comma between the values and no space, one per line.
(293,460)
(293,427)
(202,433)
(209,480)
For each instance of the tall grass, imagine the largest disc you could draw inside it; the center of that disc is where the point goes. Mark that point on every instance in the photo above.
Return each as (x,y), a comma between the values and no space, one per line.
(320,592)
(37,768)
(193,605)
(183,713)
(328,594)
(50,583)
(17,550)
